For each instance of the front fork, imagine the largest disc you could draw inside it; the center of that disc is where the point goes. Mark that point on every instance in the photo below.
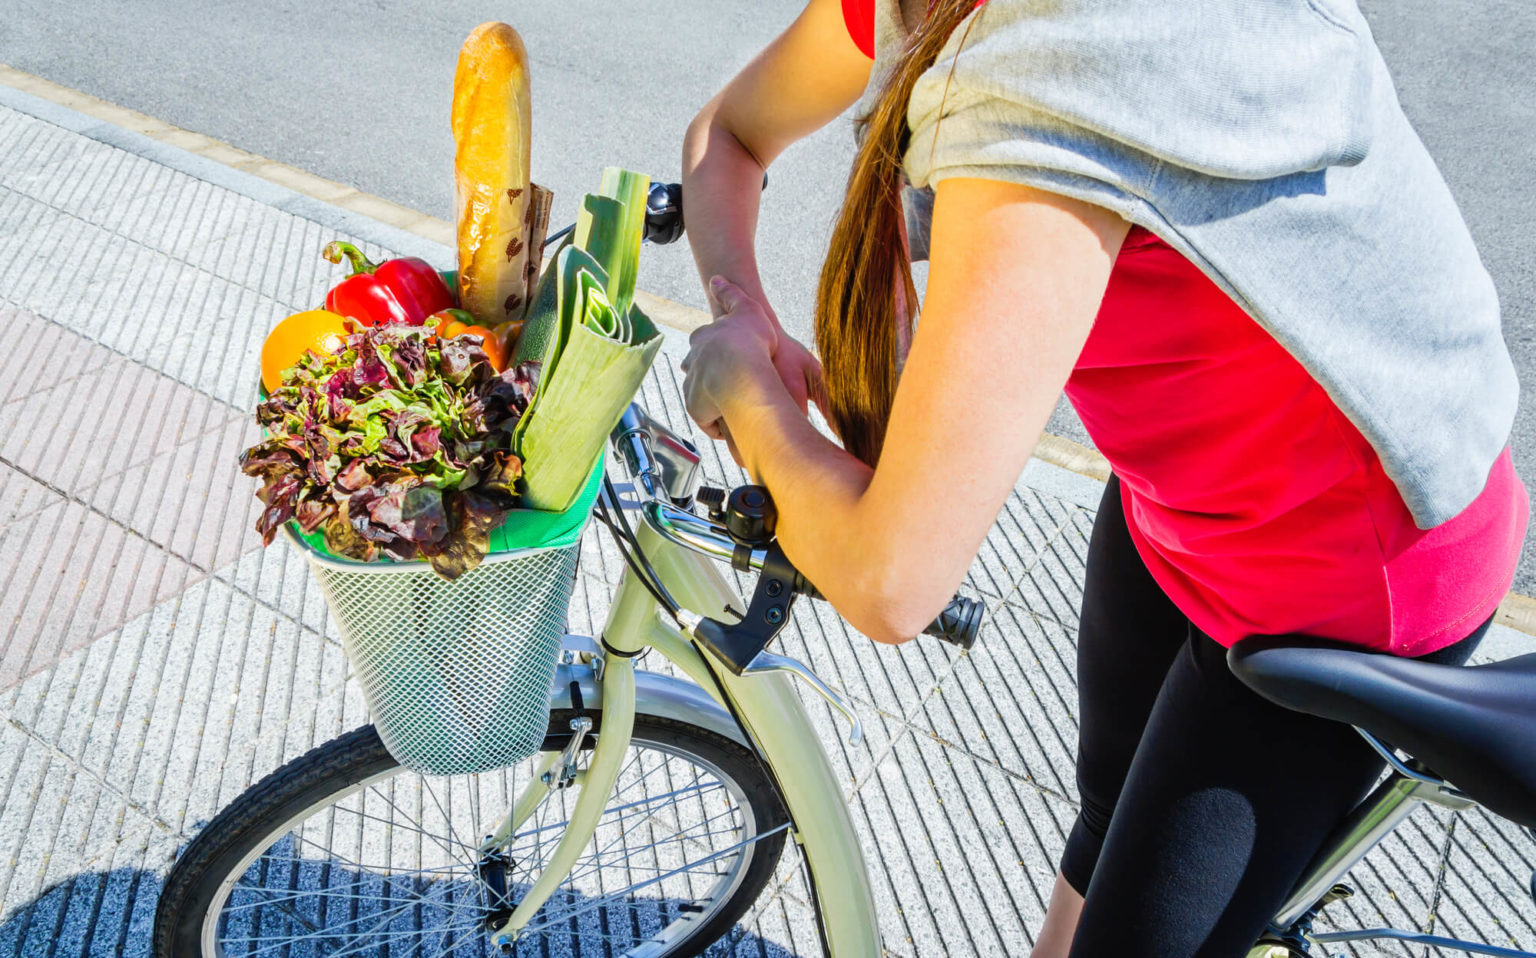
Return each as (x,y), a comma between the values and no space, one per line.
(597,781)
(631,626)
(774,718)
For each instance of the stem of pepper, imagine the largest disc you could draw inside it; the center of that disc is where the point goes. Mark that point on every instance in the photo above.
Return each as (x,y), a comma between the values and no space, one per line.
(336,249)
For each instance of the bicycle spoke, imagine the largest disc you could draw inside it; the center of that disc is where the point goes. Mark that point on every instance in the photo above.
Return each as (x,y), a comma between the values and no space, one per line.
(395,824)
(608,818)
(322,934)
(595,864)
(602,901)
(448,948)
(435,871)
(677,835)
(377,941)
(413,898)
(427,785)
(446,843)
(293,896)
(289,911)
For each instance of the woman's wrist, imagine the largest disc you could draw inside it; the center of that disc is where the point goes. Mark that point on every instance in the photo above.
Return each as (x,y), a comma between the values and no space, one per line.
(750,406)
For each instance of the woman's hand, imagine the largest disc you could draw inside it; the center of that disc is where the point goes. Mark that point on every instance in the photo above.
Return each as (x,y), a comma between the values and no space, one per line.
(1016,279)
(729,357)
(798,369)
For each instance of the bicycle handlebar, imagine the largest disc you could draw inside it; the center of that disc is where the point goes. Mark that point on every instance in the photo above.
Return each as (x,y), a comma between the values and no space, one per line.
(664,212)
(959,623)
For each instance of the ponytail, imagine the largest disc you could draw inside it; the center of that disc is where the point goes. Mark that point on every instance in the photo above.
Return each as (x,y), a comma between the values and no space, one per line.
(865,298)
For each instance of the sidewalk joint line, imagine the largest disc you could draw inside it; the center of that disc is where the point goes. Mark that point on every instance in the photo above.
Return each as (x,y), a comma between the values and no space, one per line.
(991,763)
(106,786)
(1440,873)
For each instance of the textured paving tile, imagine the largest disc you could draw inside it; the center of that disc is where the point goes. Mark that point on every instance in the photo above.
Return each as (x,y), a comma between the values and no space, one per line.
(1487,893)
(278,579)
(1394,886)
(1011,702)
(142,736)
(191,499)
(21,496)
(963,857)
(74,438)
(74,575)
(45,355)
(1016,542)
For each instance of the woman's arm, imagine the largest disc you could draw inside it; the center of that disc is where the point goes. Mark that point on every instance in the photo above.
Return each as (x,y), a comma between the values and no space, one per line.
(806,77)
(1015,279)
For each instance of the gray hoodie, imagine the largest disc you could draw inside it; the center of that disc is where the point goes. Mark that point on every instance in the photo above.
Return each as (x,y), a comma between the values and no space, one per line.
(1262,139)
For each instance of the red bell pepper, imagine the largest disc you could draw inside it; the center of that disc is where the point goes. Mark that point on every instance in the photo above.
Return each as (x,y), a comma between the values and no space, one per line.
(404,290)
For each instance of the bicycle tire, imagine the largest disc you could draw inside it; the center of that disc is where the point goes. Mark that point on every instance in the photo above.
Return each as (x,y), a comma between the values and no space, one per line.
(328,774)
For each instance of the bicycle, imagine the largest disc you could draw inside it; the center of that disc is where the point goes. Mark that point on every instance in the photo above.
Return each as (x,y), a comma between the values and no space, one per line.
(658,807)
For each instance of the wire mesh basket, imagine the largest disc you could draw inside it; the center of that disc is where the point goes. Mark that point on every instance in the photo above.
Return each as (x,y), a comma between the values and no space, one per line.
(457,674)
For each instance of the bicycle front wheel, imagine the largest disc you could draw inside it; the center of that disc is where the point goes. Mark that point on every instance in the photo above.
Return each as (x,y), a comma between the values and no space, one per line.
(343,852)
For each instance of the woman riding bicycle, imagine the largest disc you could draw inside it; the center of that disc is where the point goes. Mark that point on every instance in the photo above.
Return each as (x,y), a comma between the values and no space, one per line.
(1211,224)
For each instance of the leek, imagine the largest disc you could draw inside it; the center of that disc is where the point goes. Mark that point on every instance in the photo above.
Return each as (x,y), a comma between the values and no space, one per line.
(594,344)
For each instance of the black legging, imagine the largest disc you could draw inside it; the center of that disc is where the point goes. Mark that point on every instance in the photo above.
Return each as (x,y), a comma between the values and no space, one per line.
(1201,801)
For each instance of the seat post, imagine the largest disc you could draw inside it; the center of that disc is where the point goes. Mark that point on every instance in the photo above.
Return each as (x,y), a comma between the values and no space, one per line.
(1372,820)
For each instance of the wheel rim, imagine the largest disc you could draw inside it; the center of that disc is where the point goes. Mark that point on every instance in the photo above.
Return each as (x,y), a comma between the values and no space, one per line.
(388,866)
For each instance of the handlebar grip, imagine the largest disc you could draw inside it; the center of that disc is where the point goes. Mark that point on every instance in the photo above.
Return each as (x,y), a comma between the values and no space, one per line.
(664,213)
(960,621)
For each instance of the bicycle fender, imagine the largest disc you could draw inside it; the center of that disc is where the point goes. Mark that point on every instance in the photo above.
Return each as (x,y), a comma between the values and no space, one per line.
(655,694)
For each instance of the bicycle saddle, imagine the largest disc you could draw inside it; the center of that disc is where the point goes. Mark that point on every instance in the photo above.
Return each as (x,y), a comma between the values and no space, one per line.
(1474,725)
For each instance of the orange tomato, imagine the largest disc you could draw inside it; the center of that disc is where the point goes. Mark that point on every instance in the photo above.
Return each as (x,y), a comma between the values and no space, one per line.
(449,325)
(319,330)
(510,331)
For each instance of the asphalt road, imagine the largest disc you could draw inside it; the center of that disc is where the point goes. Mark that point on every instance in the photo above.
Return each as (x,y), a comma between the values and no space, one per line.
(359,92)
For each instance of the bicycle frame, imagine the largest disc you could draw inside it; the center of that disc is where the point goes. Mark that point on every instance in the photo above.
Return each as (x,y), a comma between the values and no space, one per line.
(769,709)
(779,727)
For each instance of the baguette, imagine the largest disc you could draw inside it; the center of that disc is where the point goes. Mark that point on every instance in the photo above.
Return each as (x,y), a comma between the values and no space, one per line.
(492,119)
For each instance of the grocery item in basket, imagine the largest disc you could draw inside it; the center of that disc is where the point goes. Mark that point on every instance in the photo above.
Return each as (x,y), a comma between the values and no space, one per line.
(398,445)
(402,290)
(501,216)
(593,344)
(458,322)
(315,330)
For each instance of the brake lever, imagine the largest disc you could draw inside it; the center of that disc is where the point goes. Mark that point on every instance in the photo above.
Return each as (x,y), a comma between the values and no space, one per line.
(739,643)
(769,662)
(743,646)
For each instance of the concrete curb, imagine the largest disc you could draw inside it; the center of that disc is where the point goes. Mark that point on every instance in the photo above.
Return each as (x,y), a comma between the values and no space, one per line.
(411,232)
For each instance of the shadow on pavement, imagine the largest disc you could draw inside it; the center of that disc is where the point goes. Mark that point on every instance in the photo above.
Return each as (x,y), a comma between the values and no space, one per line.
(112,914)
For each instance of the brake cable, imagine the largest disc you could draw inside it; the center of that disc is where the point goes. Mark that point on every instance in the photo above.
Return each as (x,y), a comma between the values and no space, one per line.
(624,538)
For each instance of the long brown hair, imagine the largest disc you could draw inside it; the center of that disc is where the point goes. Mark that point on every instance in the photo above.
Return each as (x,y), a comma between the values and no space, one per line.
(865,299)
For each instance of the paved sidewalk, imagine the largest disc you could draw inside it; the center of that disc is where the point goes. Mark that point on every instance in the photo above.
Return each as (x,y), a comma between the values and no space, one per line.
(155,660)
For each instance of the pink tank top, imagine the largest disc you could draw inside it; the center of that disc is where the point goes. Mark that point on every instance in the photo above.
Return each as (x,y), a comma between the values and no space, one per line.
(1256,505)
